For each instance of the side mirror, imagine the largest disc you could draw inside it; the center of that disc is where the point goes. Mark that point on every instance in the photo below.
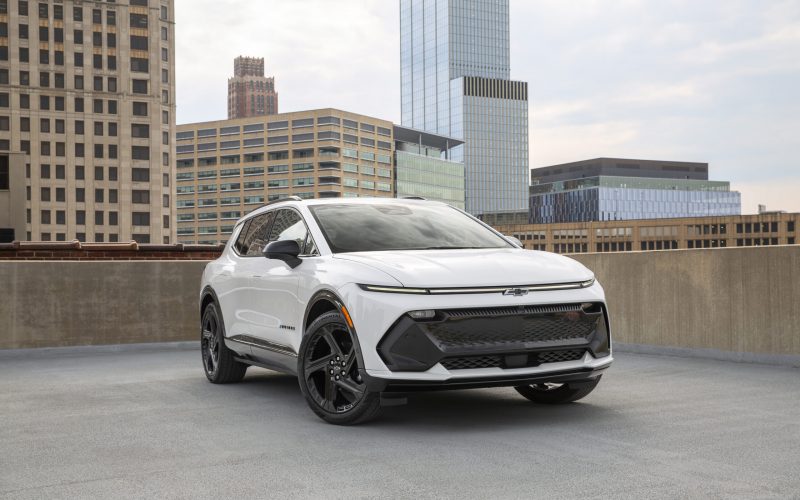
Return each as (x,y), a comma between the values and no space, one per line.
(515,241)
(285,250)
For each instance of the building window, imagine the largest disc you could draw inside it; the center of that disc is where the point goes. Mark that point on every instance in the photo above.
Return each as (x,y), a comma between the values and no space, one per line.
(140,152)
(140,65)
(139,42)
(140,109)
(139,86)
(140,196)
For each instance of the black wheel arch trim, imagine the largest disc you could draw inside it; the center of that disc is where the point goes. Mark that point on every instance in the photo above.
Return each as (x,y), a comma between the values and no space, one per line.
(208,291)
(333,297)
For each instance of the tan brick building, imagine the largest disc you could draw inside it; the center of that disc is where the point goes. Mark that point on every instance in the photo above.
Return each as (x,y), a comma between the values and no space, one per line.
(250,93)
(87,110)
(228,168)
(659,234)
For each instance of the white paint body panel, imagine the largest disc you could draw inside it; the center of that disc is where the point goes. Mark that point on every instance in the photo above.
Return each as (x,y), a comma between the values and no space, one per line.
(258,295)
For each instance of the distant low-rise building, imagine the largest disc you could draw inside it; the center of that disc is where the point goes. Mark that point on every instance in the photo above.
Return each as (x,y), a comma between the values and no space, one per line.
(228,168)
(423,167)
(659,234)
(623,189)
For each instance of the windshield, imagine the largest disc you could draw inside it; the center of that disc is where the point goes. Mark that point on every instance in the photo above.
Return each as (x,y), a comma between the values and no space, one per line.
(390,226)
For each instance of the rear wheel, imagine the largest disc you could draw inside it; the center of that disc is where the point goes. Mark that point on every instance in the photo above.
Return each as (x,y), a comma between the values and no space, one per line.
(330,376)
(556,394)
(218,361)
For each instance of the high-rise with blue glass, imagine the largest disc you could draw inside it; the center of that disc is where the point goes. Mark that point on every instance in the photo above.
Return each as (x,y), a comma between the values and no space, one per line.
(454,77)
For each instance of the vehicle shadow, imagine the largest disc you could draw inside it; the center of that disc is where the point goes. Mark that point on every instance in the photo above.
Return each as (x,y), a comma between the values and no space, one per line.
(479,409)
(462,410)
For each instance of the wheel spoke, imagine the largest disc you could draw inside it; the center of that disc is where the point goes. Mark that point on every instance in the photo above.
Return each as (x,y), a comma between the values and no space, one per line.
(210,363)
(207,334)
(320,364)
(351,361)
(330,390)
(351,387)
(327,335)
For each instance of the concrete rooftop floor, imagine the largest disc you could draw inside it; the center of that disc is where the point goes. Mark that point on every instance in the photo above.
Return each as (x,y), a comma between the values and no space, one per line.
(144,422)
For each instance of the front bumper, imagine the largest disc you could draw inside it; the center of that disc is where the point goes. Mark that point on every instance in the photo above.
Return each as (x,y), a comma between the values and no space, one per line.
(574,376)
(403,352)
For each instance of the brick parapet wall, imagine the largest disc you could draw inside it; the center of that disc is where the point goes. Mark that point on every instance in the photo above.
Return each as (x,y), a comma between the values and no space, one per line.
(75,250)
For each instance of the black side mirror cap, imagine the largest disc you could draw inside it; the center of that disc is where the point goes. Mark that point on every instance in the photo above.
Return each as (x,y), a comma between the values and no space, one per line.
(285,250)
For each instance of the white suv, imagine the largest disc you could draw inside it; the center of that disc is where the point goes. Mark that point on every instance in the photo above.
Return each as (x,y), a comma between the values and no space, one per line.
(368,299)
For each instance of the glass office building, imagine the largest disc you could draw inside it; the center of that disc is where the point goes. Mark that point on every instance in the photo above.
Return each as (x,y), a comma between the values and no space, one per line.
(605,198)
(423,167)
(455,67)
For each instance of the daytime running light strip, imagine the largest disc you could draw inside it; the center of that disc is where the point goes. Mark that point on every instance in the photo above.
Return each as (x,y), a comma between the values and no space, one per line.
(446,291)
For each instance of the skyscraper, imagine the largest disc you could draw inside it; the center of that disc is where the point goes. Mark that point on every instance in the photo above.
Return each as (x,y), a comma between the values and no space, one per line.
(87,119)
(454,77)
(250,93)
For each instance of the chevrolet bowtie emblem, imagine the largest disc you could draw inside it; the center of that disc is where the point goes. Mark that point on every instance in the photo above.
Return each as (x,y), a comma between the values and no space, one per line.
(516,292)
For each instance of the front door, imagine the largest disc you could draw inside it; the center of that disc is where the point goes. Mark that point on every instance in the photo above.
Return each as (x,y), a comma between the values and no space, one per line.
(274,284)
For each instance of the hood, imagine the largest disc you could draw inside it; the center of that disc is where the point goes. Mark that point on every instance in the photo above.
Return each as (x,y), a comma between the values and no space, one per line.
(468,268)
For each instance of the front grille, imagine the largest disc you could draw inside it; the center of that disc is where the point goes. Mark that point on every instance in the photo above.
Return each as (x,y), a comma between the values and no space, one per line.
(534,359)
(507,337)
(484,312)
(503,326)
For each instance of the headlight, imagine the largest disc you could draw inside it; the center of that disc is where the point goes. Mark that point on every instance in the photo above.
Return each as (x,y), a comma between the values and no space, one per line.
(394,289)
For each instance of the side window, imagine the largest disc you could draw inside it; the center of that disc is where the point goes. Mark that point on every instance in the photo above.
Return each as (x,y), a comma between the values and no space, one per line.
(311,247)
(289,226)
(256,234)
(240,247)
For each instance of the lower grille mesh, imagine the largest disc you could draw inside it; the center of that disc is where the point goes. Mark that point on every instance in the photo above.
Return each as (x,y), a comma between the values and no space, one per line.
(534,359)
(468,362)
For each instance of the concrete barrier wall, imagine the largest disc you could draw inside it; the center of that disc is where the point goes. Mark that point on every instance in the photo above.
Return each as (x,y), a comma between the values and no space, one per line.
(49,304)
(735,300)
(744,300)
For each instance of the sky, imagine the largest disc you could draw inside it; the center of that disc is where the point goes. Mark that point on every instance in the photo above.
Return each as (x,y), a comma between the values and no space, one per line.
(715,81)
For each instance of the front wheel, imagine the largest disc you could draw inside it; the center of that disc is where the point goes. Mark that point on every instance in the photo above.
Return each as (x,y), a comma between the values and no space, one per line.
(557,394)
(330,376)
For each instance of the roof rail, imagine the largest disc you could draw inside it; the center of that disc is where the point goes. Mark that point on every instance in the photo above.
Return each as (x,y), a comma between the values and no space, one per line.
(413,198)
(288,198)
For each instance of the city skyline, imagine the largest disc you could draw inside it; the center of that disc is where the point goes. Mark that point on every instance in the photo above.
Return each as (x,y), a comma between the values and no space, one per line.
(711,83)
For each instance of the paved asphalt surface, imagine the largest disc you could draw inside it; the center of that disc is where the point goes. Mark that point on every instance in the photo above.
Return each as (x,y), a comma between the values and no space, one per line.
(145,423)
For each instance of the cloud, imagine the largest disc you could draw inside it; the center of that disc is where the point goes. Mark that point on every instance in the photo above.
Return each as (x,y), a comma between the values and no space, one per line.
(321,56)
(674,79)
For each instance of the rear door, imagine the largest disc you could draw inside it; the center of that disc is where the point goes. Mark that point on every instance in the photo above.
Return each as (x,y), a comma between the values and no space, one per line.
(245,313)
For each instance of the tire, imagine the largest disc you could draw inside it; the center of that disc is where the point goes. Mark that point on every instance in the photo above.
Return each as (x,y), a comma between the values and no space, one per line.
(218,361)
(557,394)
(341,397)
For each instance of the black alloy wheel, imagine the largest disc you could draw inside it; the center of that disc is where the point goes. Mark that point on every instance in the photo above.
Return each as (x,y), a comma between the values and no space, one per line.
(330,376)
(218,361)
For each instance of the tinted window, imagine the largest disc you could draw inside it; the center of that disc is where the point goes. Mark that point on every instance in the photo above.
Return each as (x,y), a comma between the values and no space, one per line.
(290,226)
(239,245)
(255,237)
(377,227)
